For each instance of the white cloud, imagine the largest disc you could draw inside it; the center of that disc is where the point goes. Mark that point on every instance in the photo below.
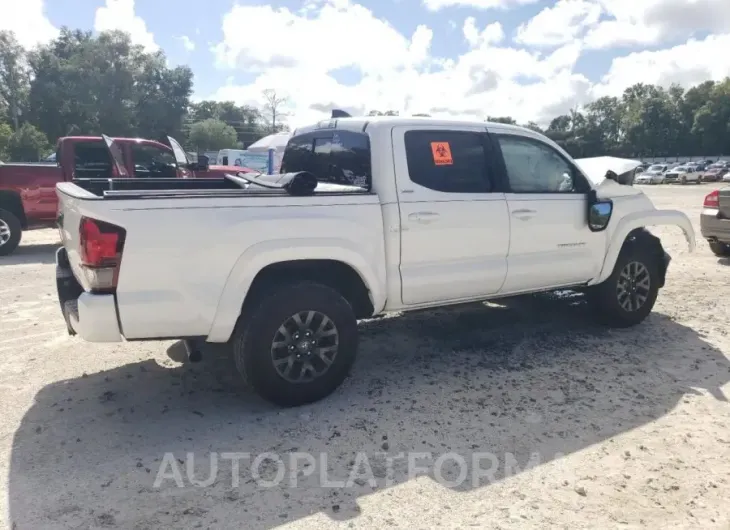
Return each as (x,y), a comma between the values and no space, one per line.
(492,34)
(306,40)
(603,24)
(646,22)
(120,15)
(437,5)
(560,24)
(391,71)
(187,43)
(397,72)
(686,64)
(28,21)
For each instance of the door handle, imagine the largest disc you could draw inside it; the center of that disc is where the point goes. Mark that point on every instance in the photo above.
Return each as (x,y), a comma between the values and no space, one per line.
(524,214)
(423,217)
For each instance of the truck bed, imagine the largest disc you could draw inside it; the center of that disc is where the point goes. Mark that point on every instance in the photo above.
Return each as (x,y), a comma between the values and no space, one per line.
(191,244)
(228,186)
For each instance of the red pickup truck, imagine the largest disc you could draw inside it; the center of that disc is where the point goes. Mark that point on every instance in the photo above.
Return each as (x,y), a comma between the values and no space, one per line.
(28,191)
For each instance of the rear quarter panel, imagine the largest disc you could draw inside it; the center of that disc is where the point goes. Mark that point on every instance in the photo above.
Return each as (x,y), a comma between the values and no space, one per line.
(188,263)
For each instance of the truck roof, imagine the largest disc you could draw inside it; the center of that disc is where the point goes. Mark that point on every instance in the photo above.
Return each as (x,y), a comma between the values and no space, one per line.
(361,124)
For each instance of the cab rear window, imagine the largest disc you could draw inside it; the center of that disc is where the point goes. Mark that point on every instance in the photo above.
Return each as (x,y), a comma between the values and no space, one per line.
(338,157)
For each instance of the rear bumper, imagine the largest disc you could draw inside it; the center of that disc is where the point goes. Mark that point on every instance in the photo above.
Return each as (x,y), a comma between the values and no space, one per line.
(713,227)
(93,317)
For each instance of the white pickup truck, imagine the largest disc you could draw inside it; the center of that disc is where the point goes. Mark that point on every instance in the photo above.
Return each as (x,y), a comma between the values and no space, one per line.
(369,215)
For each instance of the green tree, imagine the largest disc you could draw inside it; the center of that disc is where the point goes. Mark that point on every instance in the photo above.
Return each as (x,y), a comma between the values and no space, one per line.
(5,133)
(162,97)
(27,144)
(711,124)
(90,85)
(559,124)
(247,121)
(502,119)
(14,78)
(212,135)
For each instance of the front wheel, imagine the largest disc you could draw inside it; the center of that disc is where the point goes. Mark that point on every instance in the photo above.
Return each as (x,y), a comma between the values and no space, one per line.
(627,297)
(297,345)
(683,180)
(10,232)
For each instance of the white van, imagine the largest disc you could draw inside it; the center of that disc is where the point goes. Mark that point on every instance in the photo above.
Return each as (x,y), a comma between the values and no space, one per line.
(256,161)
(228,157)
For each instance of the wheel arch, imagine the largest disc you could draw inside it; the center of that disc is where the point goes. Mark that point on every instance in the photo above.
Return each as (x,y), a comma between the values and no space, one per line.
(334,263)
(11,201)
(632,230)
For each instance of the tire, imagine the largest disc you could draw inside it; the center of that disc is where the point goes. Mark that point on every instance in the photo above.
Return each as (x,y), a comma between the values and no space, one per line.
(606,298)
(11,232)
(683,180)
(721,250)
(258,331)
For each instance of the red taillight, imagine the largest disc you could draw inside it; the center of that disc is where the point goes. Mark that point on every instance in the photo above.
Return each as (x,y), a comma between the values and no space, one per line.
(712,200)
(101,246)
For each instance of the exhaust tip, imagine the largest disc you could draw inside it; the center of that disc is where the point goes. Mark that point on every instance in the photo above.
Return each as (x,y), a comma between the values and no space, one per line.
(194,353)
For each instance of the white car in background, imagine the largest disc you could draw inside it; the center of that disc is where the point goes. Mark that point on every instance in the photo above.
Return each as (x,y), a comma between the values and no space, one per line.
(683,175)
(653,175)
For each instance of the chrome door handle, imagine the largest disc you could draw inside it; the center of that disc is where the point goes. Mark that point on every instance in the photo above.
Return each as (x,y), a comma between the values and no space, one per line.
(423,217)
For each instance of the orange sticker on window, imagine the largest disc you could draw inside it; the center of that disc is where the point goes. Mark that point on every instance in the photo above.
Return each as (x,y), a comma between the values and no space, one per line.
(441,153)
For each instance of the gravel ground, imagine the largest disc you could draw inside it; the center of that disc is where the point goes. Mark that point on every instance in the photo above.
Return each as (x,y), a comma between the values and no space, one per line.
(581,427)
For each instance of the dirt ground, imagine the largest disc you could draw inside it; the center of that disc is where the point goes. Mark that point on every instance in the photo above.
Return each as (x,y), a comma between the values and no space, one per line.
(586,427)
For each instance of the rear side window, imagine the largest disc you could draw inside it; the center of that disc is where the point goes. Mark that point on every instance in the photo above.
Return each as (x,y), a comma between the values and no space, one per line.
(340,157)
(448,161)
(92,160)
(153,162)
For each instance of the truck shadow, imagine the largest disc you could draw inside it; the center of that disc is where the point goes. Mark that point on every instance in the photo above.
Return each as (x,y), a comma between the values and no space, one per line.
(530,376)
(42,253)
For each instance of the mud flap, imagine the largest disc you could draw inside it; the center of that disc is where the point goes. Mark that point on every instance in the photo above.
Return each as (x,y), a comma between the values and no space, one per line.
(645,239)
(67,286)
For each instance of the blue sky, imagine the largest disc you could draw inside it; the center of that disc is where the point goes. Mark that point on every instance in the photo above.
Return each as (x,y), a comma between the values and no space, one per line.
(526,58)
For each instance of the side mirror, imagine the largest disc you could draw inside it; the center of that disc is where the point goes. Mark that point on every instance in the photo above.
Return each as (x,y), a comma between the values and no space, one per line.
(610,175)
(599,214)
(203,163)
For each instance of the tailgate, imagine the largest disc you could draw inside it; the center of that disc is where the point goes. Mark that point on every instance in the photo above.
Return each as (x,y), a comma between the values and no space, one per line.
(724,206)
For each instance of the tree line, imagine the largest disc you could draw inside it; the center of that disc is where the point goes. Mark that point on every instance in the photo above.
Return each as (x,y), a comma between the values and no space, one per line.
(81,84)
(84,84)
(646,121)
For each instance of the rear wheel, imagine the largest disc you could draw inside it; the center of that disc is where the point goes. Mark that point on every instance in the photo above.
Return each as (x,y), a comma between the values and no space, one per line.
(627,297)
(10,232)
(297,345)
(721,250)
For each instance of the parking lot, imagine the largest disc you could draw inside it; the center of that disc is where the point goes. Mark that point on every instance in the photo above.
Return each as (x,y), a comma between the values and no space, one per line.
(588,427)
